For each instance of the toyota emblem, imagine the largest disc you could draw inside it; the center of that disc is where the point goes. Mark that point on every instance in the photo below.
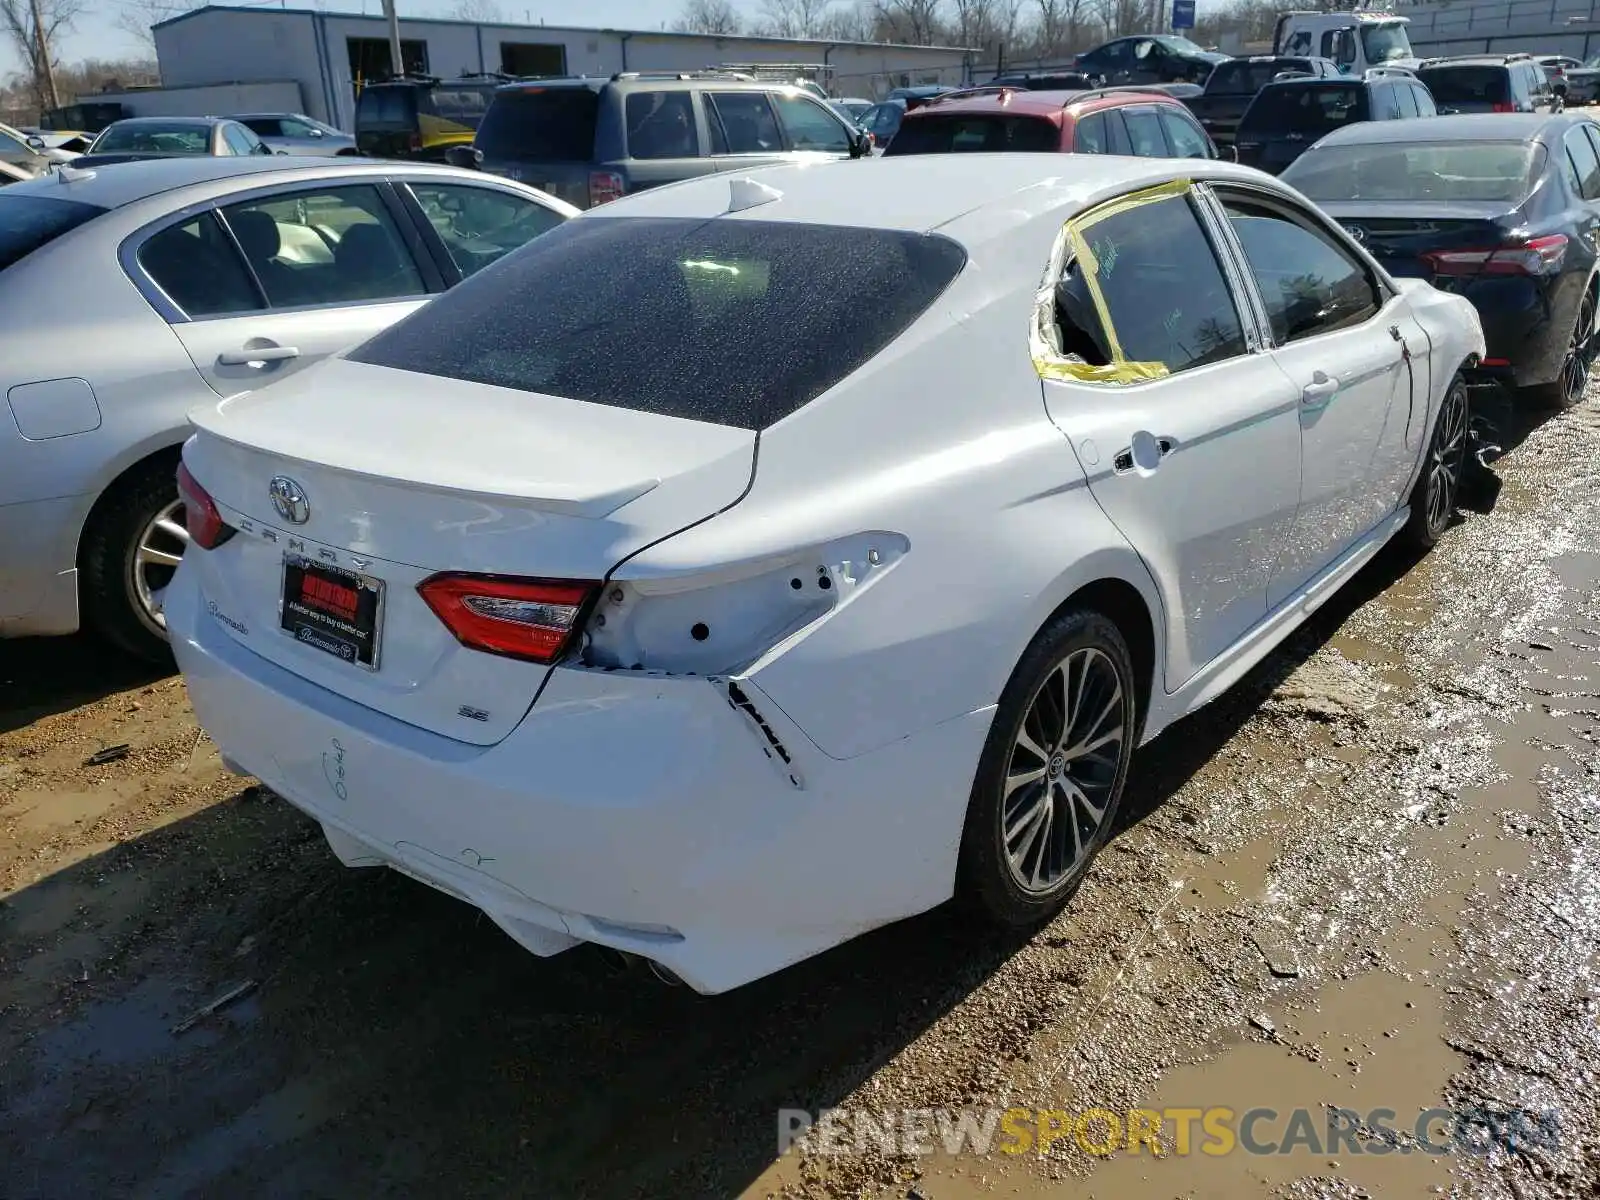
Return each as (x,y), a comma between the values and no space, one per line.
(289,498)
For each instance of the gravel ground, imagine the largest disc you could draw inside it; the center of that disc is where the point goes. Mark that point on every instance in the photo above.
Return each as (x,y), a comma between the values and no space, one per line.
(1369,878)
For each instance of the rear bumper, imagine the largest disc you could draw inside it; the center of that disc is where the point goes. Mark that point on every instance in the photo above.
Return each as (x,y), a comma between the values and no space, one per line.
(640,812)
(1525,329)
(38,567)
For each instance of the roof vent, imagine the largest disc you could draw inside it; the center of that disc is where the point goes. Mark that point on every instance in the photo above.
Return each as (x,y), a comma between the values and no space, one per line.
(748,193)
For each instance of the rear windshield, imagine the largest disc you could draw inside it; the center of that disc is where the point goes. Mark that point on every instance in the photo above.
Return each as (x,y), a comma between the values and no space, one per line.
(1502,171)
(460,106)
(29,222)
(1308,109)
(1248,78)
(1458,85)
(154,137)
(733,322)
(540,125)
(386,106)
(955,134)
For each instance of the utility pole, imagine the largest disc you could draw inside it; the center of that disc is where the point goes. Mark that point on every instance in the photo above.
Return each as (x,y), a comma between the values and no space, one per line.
(397,65)
(45,76)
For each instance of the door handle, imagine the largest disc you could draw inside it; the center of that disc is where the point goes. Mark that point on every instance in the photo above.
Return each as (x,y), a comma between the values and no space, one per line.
(1122,462)
(1320,390)
(266,354)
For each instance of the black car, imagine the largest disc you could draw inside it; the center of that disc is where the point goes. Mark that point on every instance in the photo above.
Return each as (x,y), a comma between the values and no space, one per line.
(1163,58)
(1286,117)
(1233,84)
(420,117)
(1054,81)
(1503,210)
(1502,83)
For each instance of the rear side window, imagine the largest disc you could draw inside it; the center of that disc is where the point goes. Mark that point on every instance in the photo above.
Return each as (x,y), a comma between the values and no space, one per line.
(742,123)
(661,125)
(1584,161)
(733,322)
(1306,109)
(1309,284)
(385,106)
(954,134)
(1467,85)
(1187,139)
(464,106)
(30,222)
(196,265)
(1144,131)
(540,125)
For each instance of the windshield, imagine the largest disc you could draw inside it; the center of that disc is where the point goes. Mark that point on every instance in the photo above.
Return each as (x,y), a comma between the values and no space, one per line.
(540,125)
(29,222)
(1385,42)
(739,323)
(1467,85)
(1181,44)
(1488,171)
(1310,109)
(154,137)
(956,134)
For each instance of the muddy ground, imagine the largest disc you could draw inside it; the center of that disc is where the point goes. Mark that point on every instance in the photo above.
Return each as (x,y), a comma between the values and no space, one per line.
(1369,877)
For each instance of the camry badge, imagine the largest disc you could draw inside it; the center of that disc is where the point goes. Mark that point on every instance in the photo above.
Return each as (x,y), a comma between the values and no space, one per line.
(289,498)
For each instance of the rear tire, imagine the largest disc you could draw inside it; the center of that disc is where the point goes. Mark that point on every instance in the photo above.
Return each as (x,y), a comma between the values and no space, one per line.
(129,553)
(1051,775)
(1567,388)
(1438,488)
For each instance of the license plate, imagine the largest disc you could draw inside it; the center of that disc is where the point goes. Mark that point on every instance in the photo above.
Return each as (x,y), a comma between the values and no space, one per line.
(337,612)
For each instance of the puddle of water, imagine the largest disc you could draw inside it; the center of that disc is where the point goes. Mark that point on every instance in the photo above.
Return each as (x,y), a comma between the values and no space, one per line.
(1237,875)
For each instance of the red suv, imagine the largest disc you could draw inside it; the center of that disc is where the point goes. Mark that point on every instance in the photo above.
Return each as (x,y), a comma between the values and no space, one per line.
(1147,124)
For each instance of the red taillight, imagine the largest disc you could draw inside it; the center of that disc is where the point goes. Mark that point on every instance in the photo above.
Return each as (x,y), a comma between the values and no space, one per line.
(604,187)
(415,142)
(206,527)
(1504,106)
(1494,362)
(1537,256)
(532,619)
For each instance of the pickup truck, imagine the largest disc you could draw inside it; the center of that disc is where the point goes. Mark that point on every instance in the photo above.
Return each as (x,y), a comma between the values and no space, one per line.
(1233,84)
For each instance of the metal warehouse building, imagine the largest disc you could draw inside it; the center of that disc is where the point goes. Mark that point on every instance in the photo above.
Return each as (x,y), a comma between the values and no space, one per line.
(219,59)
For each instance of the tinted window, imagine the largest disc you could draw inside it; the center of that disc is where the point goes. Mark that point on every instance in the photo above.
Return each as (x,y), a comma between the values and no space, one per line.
(338,246)
(1467,85)
(661,125)
(154,137)
(267,126)
(481,225)
(810,126)
(744,123)
(385,106)
(1584,161)
(199,269)
(1443,171)
(952,133)
(1185,137)
(1091,136)
(1162,286)
(1242,77)
(459,106)
(540,125)
(292,128)
(1311,109)
(29,222)
(734,322)
(1310,284)
(1144,132)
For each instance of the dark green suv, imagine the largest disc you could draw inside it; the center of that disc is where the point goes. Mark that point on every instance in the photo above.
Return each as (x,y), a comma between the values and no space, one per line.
(593,140)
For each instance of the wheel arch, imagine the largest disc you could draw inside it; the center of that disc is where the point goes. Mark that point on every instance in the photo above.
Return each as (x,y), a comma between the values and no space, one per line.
(137,458)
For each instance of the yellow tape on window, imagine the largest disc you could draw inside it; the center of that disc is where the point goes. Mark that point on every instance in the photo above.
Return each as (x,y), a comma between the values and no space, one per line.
(1047,357)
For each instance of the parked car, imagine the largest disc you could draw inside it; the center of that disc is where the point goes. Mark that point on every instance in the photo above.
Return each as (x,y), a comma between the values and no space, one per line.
(66,141)
(591,141)
(1583,83)
(1286,117)
(1556,67)
(1232,85)
(10,174)
(882,121)
(1502,83)
(1164,58)
(176,280)
(136,138)
(296,133)
(26,154)
(920,94)
(1109,121)
(851,108)
(1503,210)
(420,117)
(905,651)
(1057,81)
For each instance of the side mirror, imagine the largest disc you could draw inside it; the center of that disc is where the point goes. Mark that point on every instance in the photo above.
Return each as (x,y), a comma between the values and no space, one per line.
(35,142)
(468,158)
(1231,153)
(861,143)
(315,132)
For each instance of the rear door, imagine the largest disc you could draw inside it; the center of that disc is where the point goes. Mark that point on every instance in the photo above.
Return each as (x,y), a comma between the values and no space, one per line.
(1330,320)
(264,286)
(1188,434)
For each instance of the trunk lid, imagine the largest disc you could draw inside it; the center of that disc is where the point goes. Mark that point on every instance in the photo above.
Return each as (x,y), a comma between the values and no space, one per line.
(1399,233)
(401,476)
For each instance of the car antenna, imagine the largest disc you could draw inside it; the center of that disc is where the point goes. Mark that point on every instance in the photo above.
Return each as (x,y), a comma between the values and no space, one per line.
(748,193)
(74,174)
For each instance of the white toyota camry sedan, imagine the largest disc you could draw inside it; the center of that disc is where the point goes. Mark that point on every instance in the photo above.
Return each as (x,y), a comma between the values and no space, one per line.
(759,560)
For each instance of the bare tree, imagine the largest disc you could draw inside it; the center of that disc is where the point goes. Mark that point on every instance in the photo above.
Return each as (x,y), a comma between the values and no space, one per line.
(974,22)
(912,21)
(486,12)
(717,17)
(135,17)
(857,23)
(34,41)
(794,18)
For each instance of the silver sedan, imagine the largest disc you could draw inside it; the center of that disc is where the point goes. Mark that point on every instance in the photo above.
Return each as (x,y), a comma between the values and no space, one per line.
(134,293)
(296,133)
